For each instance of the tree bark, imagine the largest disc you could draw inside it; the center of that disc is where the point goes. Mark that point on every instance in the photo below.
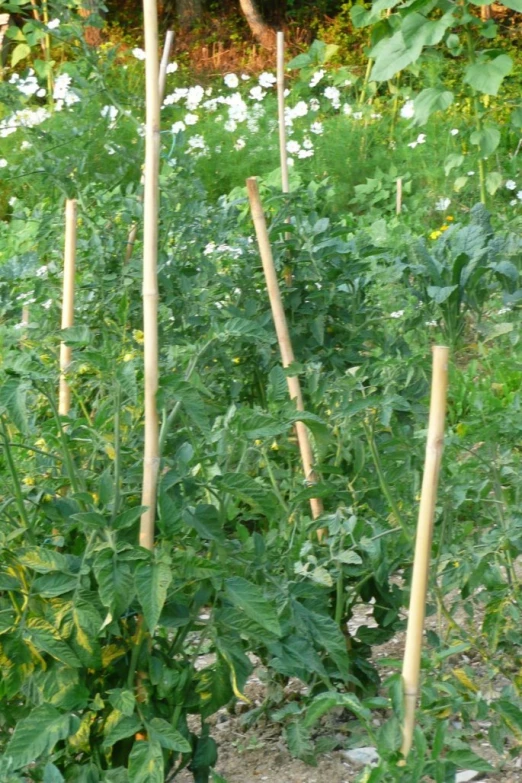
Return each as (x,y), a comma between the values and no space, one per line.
(261,31)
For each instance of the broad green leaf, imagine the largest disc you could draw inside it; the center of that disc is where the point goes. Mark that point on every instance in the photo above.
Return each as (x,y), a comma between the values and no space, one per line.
(20,52)
(51,585)
(429,101)
(487,139)
(299,743)
(87,624)
(452,161)
(204,519)
(362,17)
(146,763)
(486,76)
(152,581)
(12,402)
(460,183)
(123,700)
(440,294)
(43,560)
(349,557)
(90,519)
(515,5)
(168,737)
(510,713)
(52,774)
(250,599)
(38,733)
(469,760)
(217,778)
(128,518)
(324,632)
(119,726)
(493,182)
(115,582)
(46,638)
(76,336)
(391,55)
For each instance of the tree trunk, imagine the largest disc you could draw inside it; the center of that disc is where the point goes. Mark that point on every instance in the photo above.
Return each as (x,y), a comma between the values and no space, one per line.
(93,36)
(261,31)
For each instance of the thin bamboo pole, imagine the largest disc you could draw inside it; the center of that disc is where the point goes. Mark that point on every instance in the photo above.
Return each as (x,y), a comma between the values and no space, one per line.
(69,265)
(419,584)
(283,336)
(150,273)
(162,78)
(281,110)
(398,203)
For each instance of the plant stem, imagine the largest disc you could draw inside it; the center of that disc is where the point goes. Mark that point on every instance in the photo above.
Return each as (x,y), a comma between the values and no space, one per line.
(140,636)
(117,453)
(339,597)
(478,119)
(14,477)
(382,481)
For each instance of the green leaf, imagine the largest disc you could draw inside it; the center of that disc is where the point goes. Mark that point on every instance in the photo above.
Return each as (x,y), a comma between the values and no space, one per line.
(115,582)
(91,519)
(20,52)
(52,774)
(46,639)
(486,76)
(391,55)
(152,581)
(37,734)
(469,760)
(120,727)
(248,490)
(299,743)
(168,737)
(325,702)
(510,713)
(52,585)
(76,336)
(493,182)
(146,763)
(217,778)
(487,139)
(128,518)
(349,557)
(515,5)
(441,294)
(12,402)
(452,161)
(429,101)
(43,560)
(249,598)
(123,700)
(204,519)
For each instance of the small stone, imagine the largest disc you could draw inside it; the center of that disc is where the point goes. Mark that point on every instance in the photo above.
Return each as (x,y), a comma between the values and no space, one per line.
(360,757)
(466,775)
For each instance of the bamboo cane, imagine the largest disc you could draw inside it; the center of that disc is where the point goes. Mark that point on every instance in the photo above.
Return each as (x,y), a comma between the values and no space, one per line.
(150,273)
(398,204)
(64,401)
(419,584)
(162,78)
(283,336)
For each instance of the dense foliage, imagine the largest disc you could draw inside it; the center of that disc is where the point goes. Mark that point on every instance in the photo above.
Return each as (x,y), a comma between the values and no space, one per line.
(107,651)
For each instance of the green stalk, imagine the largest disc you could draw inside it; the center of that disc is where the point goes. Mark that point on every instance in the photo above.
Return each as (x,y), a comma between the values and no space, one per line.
(339,598)
(47,54)
(395,108)
(382,480)
(362,96)
(67,457)
(140,637)
(478,118)
(117,453)
(14,477)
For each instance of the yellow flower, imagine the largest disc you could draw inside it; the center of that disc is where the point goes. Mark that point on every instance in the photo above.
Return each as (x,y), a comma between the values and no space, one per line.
(28,481)
(110,452)
(460,429)
(449,218)
(95,496)
(138,336)
(274,446)
(258,442)
(40,443)
(128,357)
(435,234)
(444,227)
(236,360)
(47,498)
(83,369)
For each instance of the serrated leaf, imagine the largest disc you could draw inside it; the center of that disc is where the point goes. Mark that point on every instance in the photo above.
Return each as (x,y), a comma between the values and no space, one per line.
(128,518)
(248,490)
(167,736)
(123,700)
(152,581)
(486,76)
(299,743)
(43,560)
(204,519)
(325,702)
(250,599)
(146,763)
(12,402)
(38,733)
(46,638)
(115,582)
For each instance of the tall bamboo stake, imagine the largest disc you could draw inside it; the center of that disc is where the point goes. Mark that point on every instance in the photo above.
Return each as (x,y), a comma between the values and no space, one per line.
(150,273)
(281,110)
(162,78)
(283,336)
(64,402)
(419,583)
(398,203)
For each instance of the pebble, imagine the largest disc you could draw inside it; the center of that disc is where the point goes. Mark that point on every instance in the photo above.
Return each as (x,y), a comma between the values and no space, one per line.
(466,775)
(362,756)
